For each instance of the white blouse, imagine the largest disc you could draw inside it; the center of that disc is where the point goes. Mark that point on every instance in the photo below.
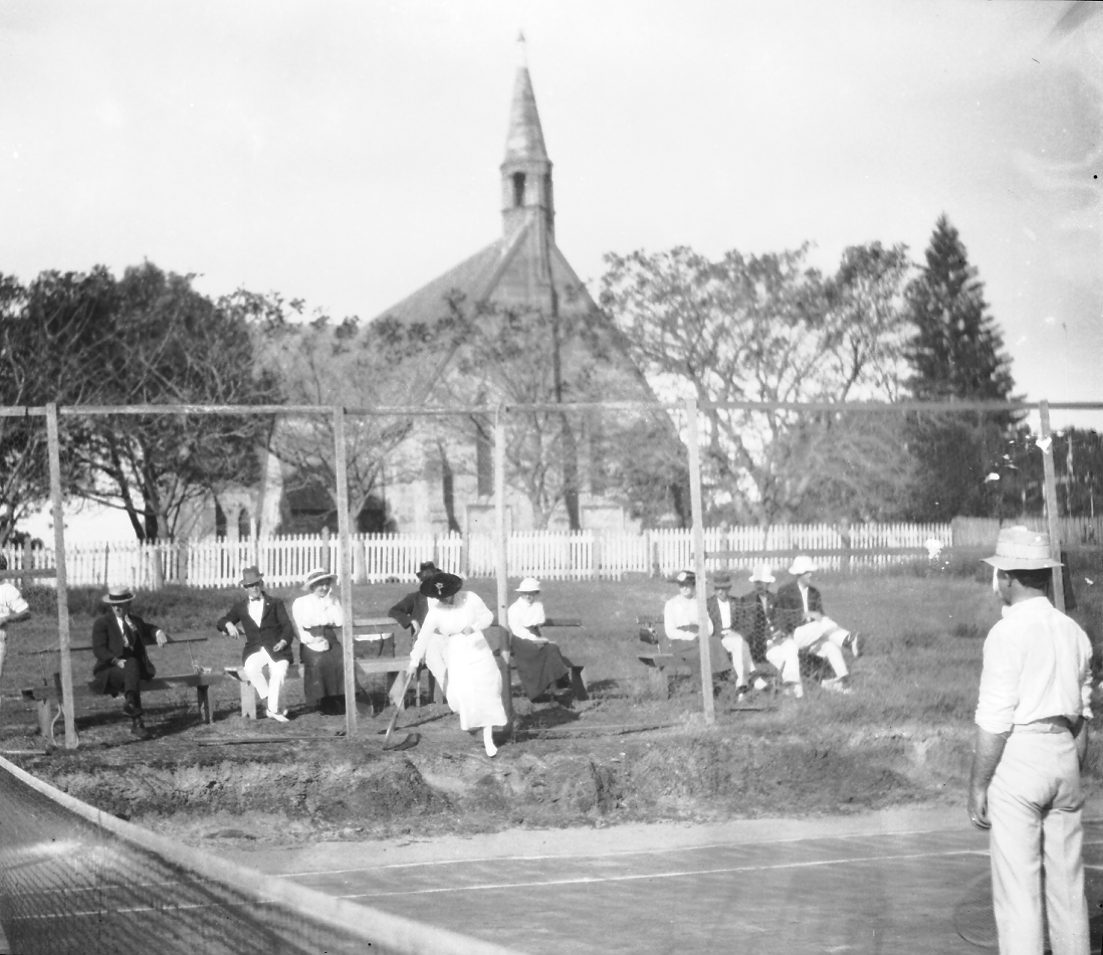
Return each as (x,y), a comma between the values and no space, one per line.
(522,615)
(315,611)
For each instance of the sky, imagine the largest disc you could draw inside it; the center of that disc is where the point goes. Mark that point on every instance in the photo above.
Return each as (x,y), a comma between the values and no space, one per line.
(347,152)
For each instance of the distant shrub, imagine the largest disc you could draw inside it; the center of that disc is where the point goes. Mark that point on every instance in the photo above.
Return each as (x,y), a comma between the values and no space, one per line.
(967,631)
(918,639)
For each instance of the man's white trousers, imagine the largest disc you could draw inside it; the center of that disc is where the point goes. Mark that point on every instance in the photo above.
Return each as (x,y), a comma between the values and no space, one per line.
(267,689)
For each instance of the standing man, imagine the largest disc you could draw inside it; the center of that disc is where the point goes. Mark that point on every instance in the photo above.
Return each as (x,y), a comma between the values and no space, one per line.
(1031,740)
(817,633)
(13,609)
(269,633)
(119,640)
(722,611)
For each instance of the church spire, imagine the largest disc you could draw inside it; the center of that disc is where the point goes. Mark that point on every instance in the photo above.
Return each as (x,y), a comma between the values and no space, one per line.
(526,170)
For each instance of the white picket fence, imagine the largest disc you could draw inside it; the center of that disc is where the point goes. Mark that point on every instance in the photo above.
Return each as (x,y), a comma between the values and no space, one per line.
(285,561)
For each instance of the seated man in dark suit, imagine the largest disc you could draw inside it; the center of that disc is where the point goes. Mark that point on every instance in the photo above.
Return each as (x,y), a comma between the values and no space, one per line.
(119,640)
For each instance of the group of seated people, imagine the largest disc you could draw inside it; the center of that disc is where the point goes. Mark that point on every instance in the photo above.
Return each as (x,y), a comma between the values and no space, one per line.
(445,622)
(762,627)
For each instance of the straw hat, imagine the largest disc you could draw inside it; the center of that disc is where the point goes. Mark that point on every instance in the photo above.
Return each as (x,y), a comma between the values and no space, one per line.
(250,576)
(316,576)
(1020,548)
(762,572)
(802,565)
(530,585)
(441,584)
(118,595)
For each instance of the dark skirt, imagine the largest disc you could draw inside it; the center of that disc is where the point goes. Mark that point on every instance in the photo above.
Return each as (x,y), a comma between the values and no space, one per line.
(689,652)
(540,666)
(323,673)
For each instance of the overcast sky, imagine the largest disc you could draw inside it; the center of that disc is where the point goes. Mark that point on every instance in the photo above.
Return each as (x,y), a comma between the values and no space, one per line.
(347,152)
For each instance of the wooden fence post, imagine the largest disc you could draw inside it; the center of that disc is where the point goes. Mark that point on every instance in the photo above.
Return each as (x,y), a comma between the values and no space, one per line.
(502,558)
(344,570)
(1052,519)
(66,660)
(704,647)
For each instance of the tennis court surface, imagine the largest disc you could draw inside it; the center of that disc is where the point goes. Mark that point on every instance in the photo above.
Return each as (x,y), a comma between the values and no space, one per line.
(856,884)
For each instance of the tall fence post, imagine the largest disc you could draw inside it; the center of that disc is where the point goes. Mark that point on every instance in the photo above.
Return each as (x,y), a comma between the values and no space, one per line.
(699,559)
(344,559)
(66,660)
(502,558)
(1052,519)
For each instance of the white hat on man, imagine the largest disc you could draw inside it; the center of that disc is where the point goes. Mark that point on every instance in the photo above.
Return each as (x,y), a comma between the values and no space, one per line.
(530,585)
(802,565)
(763,573)
(1020,548)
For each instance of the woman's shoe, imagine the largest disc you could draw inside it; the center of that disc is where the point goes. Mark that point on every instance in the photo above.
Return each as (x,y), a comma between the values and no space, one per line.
(488,741)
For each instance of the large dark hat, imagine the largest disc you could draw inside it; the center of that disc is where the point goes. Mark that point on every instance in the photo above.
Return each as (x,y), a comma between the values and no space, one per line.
(426,570)
(684,577)
(441,584)
(118,595)
(250,576)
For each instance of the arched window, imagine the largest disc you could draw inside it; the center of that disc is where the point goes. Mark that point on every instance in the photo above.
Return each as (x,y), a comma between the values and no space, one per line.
(518,189)
(243,524)
(219,520)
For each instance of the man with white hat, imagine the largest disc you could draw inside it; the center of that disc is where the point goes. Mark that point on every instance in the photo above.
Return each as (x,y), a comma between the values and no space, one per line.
(816,632)
(1031,741)
(768,643)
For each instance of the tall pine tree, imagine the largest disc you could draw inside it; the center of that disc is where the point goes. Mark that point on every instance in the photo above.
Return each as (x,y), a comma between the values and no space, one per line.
(956,352)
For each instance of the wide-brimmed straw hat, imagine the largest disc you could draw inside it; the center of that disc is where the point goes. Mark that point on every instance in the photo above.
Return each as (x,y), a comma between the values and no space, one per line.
(250,576)
(1020,548)
(316,576)
(118,595)
(684,577)
(802,565)
(530,585)
(762,572)
(441,584)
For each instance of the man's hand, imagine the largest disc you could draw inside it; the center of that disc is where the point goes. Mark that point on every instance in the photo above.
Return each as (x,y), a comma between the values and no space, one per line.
(121,663)
(231,630)
(280,645)
(978,806)
(160,636)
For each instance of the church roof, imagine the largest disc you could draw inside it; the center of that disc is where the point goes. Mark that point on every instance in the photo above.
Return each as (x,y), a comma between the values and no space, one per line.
(525,139)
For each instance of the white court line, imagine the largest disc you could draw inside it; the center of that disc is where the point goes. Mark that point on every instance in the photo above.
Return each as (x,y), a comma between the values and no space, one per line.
(616,853)
(586,880)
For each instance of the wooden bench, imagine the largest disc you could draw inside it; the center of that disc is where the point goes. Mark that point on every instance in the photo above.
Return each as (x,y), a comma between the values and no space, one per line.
(49,696)
(660,662)
(578,684)
(363,629)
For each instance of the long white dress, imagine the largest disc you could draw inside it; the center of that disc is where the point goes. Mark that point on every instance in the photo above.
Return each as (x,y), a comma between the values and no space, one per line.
(462,663)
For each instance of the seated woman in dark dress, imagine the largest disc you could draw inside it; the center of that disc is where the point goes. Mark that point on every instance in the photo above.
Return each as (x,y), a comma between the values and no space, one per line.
(540,664)
(318,618)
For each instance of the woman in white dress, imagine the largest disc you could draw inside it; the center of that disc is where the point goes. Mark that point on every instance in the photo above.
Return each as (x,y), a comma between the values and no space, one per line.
(452,644)
(318,618)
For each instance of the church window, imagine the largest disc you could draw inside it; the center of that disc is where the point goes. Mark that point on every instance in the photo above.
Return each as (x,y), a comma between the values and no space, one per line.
(518,189)
(243,528)
(219,520)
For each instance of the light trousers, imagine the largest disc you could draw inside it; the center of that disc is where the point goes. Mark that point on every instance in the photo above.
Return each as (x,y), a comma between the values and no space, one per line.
(784,656)
(277,669)
(1034,802)
(740,653)
(824,638)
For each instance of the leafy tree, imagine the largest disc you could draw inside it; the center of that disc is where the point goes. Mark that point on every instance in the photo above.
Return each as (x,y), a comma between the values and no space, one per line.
(956,351)
(164,343)
(771,329)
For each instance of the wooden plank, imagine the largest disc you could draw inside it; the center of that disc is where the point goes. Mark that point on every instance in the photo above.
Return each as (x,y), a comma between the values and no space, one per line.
(563,622)
(86,647)
(377,665)
(17,574)
(1046,444)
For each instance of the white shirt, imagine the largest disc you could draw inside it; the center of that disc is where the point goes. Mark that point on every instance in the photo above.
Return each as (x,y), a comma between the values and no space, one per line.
(725,607)
(1037,664)
(315,611)
(522,615)
(11,604)
(682,612)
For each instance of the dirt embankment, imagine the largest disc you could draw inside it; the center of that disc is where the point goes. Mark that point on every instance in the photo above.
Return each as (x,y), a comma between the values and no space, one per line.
(340,789)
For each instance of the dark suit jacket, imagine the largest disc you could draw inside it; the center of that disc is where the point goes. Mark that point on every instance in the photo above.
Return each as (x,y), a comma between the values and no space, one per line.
(108,645)
(411,607)
(761,622)
(275,625)
(790,606)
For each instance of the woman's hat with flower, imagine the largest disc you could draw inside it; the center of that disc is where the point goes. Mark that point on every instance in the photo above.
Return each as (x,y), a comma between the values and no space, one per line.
(441,584)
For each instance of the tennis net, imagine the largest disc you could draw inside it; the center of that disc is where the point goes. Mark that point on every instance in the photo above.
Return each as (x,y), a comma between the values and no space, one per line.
(76,880)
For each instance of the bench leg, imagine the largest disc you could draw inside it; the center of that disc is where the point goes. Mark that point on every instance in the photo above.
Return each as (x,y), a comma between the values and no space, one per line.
(660,681)
(45,720)
(203,699)
(578,687)
(248,701)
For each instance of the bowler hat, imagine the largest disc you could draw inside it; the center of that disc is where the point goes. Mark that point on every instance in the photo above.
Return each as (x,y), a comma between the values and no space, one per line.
(441,584)
(250,576)
(118,595)
(1020,548)
(316,577)
(722,581)
(427,569)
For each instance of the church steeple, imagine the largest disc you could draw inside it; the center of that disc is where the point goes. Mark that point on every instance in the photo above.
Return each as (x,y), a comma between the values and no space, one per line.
(526,170)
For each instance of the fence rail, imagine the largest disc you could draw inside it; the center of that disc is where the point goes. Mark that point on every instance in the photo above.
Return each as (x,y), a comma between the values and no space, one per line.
(285,561)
